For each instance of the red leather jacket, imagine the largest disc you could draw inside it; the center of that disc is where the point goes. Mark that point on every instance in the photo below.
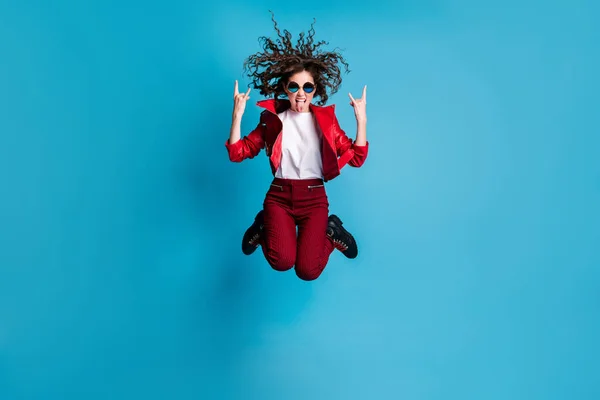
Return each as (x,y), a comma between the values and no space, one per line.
(338,150)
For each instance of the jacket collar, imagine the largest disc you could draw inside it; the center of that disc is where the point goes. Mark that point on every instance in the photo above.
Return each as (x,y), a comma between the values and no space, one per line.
(277,106)
(325,117)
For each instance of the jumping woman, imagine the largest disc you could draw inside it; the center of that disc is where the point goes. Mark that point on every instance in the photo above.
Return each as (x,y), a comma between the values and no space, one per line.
(306,148)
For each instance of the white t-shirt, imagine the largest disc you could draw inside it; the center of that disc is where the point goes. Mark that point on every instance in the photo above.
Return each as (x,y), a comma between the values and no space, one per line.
(300,146)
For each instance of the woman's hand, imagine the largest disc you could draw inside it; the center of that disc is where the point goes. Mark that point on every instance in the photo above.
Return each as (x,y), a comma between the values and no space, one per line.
(239,105)
(360,106)
(360,112)
(239,102)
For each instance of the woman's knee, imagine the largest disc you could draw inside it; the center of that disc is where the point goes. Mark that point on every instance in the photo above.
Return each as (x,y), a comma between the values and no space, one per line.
(280,262)
(308,274)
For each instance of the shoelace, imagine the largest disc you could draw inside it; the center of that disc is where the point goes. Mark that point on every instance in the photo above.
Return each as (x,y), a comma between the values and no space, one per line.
(254,239)
(337,243)
(340,245)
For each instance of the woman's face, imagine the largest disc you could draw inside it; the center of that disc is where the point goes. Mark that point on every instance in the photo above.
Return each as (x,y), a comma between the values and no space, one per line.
(297,92)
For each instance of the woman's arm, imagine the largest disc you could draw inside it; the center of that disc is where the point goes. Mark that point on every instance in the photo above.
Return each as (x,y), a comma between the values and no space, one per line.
(360,112)
(235,131)
(246,147)
(239,106)
(250,146)
(361,133)
(360,147)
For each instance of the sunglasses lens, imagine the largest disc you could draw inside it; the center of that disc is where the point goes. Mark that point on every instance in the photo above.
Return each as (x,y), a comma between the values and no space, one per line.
(308,87)
(293,87)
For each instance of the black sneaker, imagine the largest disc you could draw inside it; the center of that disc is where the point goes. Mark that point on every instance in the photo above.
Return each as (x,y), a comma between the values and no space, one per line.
(341,238)
(251,239)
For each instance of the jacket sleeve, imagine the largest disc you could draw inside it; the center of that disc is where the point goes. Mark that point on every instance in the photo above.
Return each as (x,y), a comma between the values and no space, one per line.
(248,146)
(343,144)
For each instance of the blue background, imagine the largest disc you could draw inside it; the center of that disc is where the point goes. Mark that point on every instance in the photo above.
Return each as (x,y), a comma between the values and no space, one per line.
(477,212)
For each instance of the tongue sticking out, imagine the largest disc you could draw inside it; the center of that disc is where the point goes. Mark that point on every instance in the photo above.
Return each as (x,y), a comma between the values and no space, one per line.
(300,105)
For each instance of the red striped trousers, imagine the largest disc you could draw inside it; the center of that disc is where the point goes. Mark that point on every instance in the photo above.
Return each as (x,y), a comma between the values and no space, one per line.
(295,227)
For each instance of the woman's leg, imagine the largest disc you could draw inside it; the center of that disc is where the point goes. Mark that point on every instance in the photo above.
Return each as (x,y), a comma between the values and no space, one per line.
(278,238)
(314,247)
